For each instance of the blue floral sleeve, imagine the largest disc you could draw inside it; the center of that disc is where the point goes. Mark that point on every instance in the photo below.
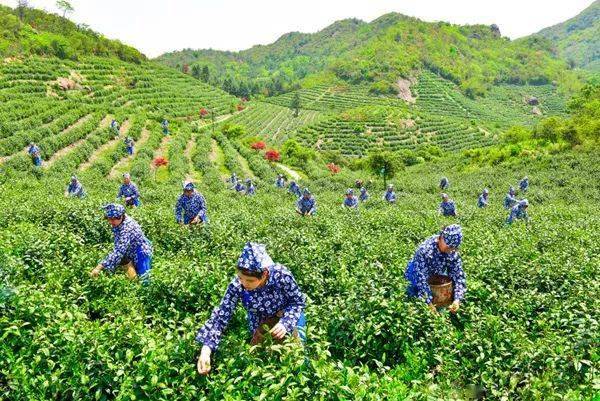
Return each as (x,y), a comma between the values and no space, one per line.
(179,210)
(457,274)
(295,304)
(122,243)
(423,290)
(210,334)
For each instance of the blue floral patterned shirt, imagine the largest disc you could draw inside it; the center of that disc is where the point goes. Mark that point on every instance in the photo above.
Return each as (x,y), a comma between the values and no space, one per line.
(524,184)
(448,208)
(188,207)
(482,201)
(389,196)
(351,202)
(129,241)
(34,150)
(280,183)
(76,189)
(428,261)
(295,189)
(517,213)
(307,205)
(128,190)
(364,196)
(239,187)
(509,201)
(250,189)
(280,293)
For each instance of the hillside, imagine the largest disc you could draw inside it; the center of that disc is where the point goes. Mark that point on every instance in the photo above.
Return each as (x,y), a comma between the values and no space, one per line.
(377,54)
(578,39)
(25,31)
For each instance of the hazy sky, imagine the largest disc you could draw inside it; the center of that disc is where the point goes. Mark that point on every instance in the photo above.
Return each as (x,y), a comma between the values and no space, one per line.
(155,26)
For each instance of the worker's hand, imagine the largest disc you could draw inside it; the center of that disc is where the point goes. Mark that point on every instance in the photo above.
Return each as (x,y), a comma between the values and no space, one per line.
(454,307)
(196,220)
(432,308)
(278,331)
(96,271)
(204,360)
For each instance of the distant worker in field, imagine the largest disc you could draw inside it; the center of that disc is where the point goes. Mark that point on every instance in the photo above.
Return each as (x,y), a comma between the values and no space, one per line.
(191,206)
(129,192)
(114,126)
(519,212)
(510,200)
(438,255)
(271,297)
(447,206)
(250,188)
(524,184)
(483,198)
(306,204)
(233,179)
(351,201)
(364,195)
(165,126)
(444,183)
(294,189)
(35,154)
(75,189)
(358,184)
(280,182)
(239,187)
(132,250)
(129,145)
(389,195)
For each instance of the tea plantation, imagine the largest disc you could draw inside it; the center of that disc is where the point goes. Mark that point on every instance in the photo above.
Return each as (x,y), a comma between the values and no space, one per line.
(528,328)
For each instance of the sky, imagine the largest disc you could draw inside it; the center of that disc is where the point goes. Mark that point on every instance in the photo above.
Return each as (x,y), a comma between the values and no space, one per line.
(156,27)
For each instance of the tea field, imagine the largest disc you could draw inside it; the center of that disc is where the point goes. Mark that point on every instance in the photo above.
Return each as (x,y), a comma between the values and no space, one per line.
(528,329)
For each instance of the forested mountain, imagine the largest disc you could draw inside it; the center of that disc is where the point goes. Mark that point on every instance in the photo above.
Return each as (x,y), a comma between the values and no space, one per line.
(378,54)
(578,39)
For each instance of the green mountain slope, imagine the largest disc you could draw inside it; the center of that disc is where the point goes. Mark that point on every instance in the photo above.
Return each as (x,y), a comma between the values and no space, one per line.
(578,39)
(376,54)
(30,31)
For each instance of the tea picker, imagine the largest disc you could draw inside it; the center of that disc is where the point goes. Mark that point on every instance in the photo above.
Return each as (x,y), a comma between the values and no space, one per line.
(280,182)
(364,195)
(114,126)
(233,179)
(306,204)
(519,212)
(75,189)
(510,199)
(436,264)
(129,145)
(524,184)
(132,250)
(191,206)
(351,201)
(165,126)
(294,189)
(389,195)
(35,154)
(250,188)
(447,206)
(270,295)
(239,187)
(483,198)
(129,192)
(444,183)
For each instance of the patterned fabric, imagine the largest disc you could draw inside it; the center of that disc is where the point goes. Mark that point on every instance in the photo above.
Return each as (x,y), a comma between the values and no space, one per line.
(130,245)
(429,260)
(524,184)
(113,210)
(190,207)
(519,212)
(33,150)
(280,293)
(306,205)
(188,186)
(444,183)
(364,195)
(254,258)
(448,208)
(509,201)
(129,145)
(280,183)
(165,127)
(452,235)
(389,196)
(233,179)
(483,200)
(351,201)
(250,189)
(75,189)
(294,189)
(239,187)
(129,191)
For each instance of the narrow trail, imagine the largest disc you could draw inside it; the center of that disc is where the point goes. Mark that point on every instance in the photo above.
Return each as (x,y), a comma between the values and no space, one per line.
(123,163)
(292,173)
(217,158)
(111,144)
(192,174)
(248,173)
(71,127)
(64,151)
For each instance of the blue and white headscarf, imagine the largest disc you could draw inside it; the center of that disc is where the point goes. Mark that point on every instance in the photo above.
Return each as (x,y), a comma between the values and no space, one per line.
(350,191)
(452,235)
(255,258)
(113,210)
(523,202)
(126,175)
(306,191)
(188,186)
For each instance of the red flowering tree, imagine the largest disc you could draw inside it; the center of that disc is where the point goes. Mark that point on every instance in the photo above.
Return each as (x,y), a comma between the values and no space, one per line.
(160,161)
(203,112)
(334,168)
(260,145)
(272,155)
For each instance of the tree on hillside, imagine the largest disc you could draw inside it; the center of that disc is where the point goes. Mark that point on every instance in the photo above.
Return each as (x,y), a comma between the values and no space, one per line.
(22,5)
(196,70)
(65,6)
(296,104)
(385,164)
(205,75)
